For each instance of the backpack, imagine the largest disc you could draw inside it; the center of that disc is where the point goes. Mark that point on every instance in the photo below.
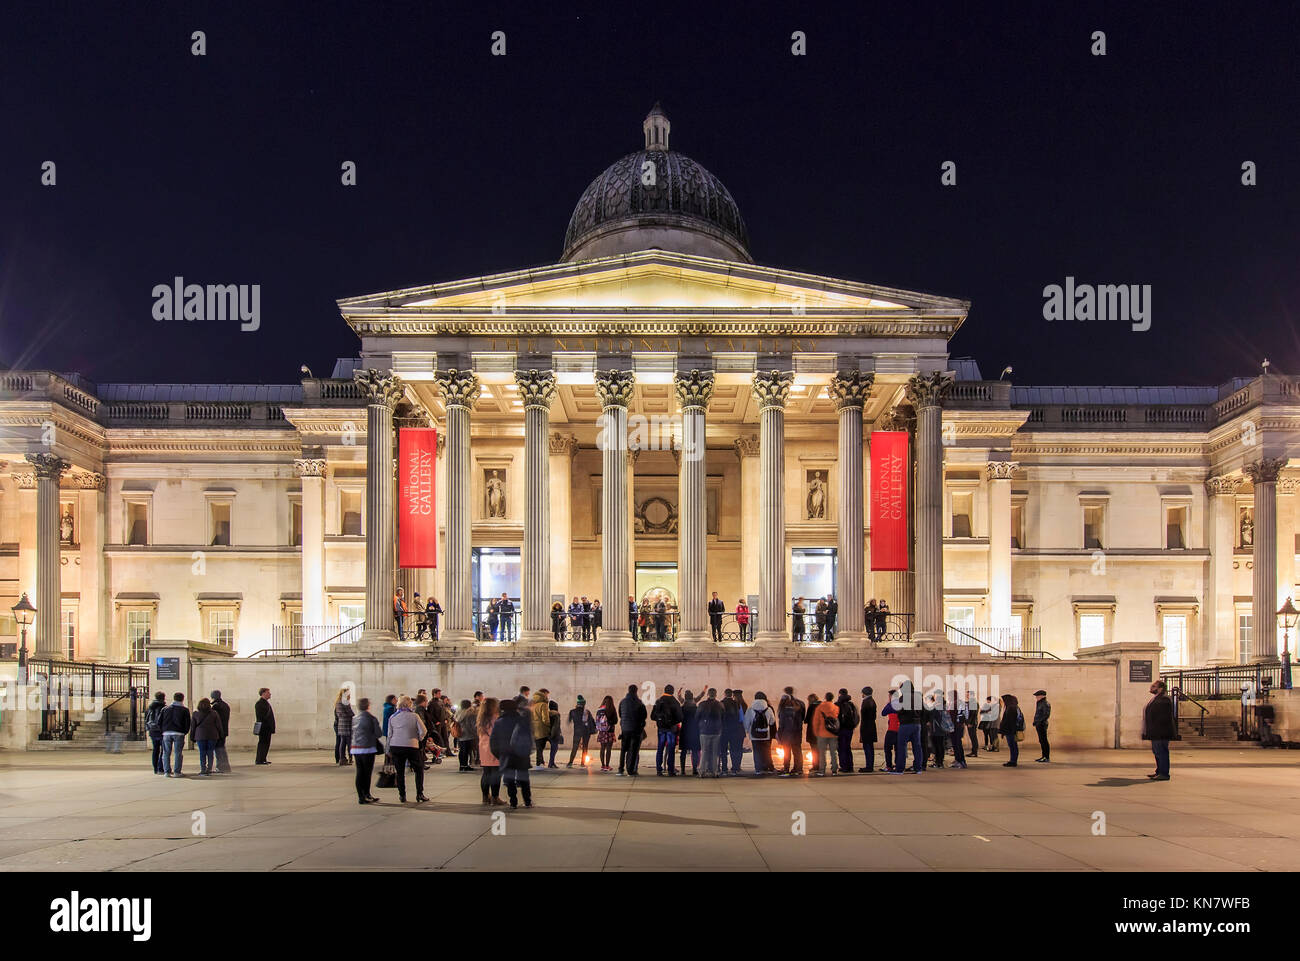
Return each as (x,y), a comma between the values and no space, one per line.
(848,716)
(602,723)
(943,722)
(1020,719)
(153,718)
(521,740)
(759,729)
(788,716)
(832,722)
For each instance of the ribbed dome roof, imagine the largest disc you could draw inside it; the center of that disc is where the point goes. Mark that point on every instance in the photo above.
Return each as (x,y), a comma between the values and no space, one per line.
(660,198)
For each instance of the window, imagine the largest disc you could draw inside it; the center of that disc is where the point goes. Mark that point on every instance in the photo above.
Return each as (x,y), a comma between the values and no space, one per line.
(350,614)
(961,513)
(1092,630)
(961,617)
(295,523)
(350,512)
(219,512)
(68,630)
(221,627)
(1173,634)
(137,634)
(1017,526)
(137,522)
(1094,515)
(1245,632)
(1175,528)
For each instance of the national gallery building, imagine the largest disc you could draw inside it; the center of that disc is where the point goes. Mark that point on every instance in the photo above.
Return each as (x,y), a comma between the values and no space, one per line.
(653,417)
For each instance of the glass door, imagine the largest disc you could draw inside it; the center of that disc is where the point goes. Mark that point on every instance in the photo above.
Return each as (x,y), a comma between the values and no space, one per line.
(495,571)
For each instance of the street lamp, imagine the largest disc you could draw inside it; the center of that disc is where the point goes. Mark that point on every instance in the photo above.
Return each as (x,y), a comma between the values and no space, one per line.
(24,614)
(1289,615)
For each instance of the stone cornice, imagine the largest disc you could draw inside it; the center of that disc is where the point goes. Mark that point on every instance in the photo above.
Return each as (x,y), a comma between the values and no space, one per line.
(851,388)
(693,388)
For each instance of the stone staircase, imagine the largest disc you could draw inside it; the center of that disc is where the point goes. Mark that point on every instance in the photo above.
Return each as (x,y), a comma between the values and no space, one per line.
(1220,731)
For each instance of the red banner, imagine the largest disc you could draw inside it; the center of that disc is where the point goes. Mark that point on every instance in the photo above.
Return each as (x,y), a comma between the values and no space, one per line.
(888,500)
(417,514)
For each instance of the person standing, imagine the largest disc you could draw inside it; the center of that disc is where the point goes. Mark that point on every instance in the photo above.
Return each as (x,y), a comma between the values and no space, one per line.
(791,718)
(832,614)
(733,733)
(819,620)
(632,718)
(539,709)
(342,727)
(153,724)
(910,706)
(890,711)
(688,740)
(365,748)
(490,780)
(742,620)
(759,724)
(667,715)
(1011,727)
(597,620)
(583,725)
(867,730)
(848,724)
(1158,727)
(175,726)
(493,619)
(264,724)
(421,618)
(606,721)
(557,621)
(989,716)
(205,729)
(556,737)
(390,707)
(506,617)
(796,621)
(1042,712)
(406,732)
(709,718)
(869,620)
(587,619)
(716,609)
(957,734)
(399,613)
(431,612)
(661,620)
(969,715)
(882,620)
(466,732)
(223,712)
(826,728)
(511,742)
(576,621)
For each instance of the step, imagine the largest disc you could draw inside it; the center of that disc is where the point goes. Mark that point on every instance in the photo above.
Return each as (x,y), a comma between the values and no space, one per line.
(86,744)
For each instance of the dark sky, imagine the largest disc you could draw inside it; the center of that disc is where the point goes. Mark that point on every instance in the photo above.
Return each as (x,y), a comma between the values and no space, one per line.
(225,169)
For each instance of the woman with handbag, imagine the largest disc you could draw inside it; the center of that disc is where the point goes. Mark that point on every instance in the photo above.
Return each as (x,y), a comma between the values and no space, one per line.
(490,780)
(1012,727)
(365,748)
(342,727)
(606,721)
(464,728)
(406,732)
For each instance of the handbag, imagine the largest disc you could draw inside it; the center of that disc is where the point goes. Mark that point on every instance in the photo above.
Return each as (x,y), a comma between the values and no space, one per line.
(257,727)
(1020,735)
(387,774)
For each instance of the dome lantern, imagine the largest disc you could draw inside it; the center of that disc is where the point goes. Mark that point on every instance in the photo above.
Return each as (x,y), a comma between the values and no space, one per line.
(656,127)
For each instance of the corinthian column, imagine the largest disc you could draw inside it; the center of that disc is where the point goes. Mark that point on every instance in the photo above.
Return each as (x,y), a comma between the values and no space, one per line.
(460,391)
(771,388)
(999,476)
(49,599)
(850,390)
(1220,631)
(312,472)
(927,393)
(537,391)
(1263,475)
(614,388)
(382,391)
(693,389)
(561,481)
(747,451)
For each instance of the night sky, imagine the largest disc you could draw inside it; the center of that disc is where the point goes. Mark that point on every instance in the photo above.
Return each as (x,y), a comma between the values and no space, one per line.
(226,168)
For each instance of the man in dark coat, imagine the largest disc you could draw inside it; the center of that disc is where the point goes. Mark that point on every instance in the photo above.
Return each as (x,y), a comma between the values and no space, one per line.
(867,729)
(265,718)
(668,716)
(791,716)
(631,719)
(223,711)
(1158,728)
(1042,711)
(716,609)
(848,721)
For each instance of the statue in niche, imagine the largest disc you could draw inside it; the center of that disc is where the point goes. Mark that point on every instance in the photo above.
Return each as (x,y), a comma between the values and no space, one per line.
(1247,527)
(65,526)
(495,485)
(817,495)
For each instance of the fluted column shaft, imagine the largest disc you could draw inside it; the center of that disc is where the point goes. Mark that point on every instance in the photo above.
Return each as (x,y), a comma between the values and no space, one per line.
(380,519)
(999,479)
(615,389)
(850,390)
(312,472)
(536,390)
(49,599)
(771,389)
(1220,631)
(458,606)
(927,393)
(693,388)
(1263,474)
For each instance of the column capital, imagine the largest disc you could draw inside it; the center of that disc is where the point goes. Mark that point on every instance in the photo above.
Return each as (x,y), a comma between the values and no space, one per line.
(898,419)
(565,445)
(746,446)
(26,480)
(771,388)
(615,387)
(1001,469)
(49,465)
(693,388)
(536,388)
(380,388)
(1222,484)
(1263,471)
(89,481)
(310,466)
(459,388)
(929,390)
(851,388)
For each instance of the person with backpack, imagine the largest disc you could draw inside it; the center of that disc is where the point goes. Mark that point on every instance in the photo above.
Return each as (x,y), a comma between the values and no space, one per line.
(223,712)
(848,724)
(709,720)
(511,742)
(688,741)
(1011,727)
(667,714)
(175,725)
(826,728)
(791,716)
(583,725)
(733,733)
(153,724)
(867,731)
(759,724)
(606,721)
(631,719)
(909,705)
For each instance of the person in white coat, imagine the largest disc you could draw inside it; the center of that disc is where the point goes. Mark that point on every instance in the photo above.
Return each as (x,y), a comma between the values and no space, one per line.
(990,714)
(760,724)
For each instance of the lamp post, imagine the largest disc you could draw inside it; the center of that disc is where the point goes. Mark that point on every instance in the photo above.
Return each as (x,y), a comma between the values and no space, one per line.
(24,614)
(1288,613)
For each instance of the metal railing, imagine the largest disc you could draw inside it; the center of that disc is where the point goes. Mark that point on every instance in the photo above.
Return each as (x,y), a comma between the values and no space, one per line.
(1225,681)
(114,693)
(1179,696)
(1023,643)
(299,640)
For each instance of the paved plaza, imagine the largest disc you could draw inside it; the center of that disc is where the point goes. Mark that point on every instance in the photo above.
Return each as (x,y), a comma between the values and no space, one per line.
(1225,810)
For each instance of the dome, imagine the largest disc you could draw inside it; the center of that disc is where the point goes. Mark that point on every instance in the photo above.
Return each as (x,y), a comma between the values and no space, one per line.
(656,198)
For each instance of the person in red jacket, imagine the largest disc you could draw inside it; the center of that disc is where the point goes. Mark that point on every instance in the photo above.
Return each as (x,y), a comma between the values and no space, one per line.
(891,733)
